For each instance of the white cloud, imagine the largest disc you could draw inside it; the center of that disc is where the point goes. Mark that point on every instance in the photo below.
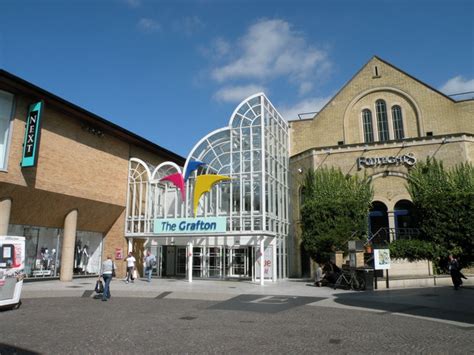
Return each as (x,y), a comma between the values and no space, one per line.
(148,25)
(457,85)
(218,48)
(271,49)
(305,106)
(188,25)
(237,93)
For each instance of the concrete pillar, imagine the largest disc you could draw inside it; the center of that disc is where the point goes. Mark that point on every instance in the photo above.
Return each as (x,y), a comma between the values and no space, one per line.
(5,209)
(67,251)
(391,225)
(339,258)
(262,261)
(190,261)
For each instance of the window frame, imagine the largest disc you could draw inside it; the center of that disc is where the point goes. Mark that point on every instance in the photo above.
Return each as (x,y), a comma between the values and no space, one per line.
(400,120)
(4,168)
(364,125)
(382,119)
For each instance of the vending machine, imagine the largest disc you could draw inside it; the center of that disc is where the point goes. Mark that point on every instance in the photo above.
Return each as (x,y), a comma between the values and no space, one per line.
(12,265)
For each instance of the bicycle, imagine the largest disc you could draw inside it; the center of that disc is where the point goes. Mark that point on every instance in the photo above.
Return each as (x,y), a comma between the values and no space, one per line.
(350,280)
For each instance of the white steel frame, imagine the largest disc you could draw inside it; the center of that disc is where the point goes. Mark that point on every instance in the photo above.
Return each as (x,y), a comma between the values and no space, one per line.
(253,151)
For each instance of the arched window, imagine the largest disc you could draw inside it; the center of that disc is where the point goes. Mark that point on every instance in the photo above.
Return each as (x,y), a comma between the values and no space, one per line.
(382,121)
(378,223)
(397,122)
(367,125)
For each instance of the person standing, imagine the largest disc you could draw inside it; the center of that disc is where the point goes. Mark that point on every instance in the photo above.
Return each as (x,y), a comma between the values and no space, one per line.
(130,267)
(319,275)
(150,262)
(455,271)
(108,269)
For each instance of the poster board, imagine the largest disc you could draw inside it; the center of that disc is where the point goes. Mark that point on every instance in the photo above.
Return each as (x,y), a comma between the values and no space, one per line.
(381,259)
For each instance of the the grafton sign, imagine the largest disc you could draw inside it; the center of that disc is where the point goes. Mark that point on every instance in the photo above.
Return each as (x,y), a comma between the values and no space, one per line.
(190,225)
(371,162)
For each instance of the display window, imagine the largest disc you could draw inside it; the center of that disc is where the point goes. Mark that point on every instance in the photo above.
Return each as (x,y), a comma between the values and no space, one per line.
(43,251)
(87,253)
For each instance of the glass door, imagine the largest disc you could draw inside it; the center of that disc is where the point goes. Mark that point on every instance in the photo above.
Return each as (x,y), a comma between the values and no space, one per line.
(181,261)
(198,262)
(214,262)
(239,262)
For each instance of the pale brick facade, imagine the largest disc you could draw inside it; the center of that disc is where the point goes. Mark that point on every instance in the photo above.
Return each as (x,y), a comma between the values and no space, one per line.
(434,126)
(76,169)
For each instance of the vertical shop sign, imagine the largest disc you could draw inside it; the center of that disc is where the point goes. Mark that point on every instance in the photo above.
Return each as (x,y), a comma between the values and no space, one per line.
(32,135)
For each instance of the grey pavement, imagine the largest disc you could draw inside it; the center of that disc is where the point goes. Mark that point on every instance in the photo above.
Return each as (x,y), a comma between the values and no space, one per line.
(437,304)
(243,323)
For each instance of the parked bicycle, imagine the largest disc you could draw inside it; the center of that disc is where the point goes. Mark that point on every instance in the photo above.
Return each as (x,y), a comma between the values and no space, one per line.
(348,279)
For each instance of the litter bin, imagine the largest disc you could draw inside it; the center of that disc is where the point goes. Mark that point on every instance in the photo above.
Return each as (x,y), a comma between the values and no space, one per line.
(368,276)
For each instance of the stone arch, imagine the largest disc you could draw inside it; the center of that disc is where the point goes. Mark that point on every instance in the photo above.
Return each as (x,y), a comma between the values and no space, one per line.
(416,108)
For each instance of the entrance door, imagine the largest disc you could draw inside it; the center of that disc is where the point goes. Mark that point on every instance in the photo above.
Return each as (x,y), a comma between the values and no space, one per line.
(214,262)
(198,262)
(181,261)
(170,269)
(238,261)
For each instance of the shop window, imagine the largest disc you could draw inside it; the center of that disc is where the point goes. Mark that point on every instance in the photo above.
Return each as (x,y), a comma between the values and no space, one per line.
(382,120)
(367,125)
(43,251)
(397,122)
(6,108)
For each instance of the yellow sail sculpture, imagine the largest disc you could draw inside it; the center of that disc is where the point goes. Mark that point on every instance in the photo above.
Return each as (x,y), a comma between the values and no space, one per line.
(204,184)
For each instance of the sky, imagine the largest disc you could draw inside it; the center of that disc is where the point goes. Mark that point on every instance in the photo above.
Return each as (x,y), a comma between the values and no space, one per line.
(173,71)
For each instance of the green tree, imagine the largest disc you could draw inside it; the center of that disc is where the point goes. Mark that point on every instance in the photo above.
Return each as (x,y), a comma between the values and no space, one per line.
(334,207)
(444,204)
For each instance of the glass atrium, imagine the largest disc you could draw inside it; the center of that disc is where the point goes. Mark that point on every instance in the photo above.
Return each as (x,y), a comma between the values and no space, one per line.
(253,151)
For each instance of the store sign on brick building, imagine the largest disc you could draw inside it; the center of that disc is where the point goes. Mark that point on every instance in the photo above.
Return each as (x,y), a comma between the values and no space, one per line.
(32,135)
(374,162)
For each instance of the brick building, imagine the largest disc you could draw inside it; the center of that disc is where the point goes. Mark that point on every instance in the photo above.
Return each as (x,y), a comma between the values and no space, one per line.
(70,205)
(380,123)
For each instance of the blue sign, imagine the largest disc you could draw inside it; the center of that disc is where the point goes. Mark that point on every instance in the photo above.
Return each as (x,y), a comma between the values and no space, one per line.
(190,225)
(32,135)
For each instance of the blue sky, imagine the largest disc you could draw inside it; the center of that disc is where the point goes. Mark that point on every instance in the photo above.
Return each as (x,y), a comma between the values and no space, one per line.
(172,71)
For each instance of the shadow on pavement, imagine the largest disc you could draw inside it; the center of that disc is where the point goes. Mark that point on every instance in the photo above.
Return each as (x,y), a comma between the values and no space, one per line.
(443,303)
(13,350)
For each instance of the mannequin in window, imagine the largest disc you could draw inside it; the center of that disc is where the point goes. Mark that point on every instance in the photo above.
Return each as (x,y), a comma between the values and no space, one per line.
(78,254)
(52,264)
(85,257)
(46,258)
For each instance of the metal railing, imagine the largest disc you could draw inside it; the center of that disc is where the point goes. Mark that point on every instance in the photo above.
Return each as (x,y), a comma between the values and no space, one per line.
(385,235)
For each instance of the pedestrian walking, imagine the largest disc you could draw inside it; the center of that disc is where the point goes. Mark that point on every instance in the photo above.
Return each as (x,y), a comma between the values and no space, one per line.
(319,275)
(107,272)
(130,260)
(150,263)
(455,271)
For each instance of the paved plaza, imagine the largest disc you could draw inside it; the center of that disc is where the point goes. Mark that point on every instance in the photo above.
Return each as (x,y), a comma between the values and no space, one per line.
(292,316)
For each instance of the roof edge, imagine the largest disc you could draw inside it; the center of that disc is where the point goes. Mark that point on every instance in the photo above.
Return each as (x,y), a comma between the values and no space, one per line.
(42,92)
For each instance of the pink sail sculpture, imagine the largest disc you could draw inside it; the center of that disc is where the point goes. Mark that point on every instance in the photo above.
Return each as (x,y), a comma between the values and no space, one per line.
(178,181)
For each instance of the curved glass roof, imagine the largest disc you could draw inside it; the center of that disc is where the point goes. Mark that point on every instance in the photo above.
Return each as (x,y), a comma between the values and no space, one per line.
(215,149)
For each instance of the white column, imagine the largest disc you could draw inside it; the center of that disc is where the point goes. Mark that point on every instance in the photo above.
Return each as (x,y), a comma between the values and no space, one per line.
(391,225)
(5,209)
(262,260)
(67,251)
(274,260)
(190,260)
